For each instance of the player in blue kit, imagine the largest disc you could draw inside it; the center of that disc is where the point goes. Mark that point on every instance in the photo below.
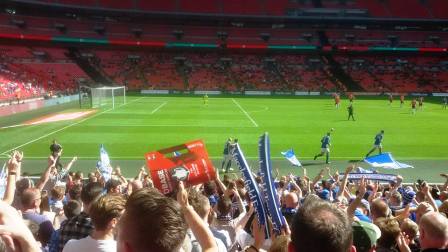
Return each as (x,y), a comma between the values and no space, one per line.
(378,143)
(325,148)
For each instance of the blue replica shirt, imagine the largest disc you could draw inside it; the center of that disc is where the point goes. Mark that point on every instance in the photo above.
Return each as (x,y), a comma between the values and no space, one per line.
(378,139)
(325,141)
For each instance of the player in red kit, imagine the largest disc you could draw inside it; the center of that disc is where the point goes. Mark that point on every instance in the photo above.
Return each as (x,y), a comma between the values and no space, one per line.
(337,100)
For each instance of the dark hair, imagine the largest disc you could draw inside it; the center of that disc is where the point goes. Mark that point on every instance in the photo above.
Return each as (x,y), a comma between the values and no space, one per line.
(90,192)
(320,226)
(224,205)
(75,192)
(112,184)
(72,208)
(152,222)
(209,188)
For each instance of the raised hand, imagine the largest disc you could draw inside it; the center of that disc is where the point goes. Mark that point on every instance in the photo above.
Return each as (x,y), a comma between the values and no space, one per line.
(182,194)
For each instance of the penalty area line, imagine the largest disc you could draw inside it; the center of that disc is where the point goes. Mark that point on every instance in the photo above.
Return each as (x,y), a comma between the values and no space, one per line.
(159,107)
(245,112)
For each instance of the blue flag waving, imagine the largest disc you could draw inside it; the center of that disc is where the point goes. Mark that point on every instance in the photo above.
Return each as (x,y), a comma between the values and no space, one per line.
(104,164)
(251,186)
(385,161)
(272,201)
(291,157)
(3,176)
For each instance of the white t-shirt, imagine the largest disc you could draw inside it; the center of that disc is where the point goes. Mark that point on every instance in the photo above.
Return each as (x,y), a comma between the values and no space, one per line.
(91,245)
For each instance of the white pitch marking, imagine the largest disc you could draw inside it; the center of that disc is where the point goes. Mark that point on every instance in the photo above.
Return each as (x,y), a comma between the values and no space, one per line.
(165,125)
(245,112)
(159,107)
(65,127)
(15,126)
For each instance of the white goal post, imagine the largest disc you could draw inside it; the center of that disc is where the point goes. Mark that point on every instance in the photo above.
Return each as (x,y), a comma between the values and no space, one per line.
(108,96)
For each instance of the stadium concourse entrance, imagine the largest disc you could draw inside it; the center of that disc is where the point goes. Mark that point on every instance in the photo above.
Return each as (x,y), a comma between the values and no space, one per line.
(102,97)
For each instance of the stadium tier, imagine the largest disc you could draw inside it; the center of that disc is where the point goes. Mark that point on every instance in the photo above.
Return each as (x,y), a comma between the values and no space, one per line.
(375,8)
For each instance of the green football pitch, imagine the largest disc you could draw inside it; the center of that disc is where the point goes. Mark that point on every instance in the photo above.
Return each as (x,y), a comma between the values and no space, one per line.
(147,123)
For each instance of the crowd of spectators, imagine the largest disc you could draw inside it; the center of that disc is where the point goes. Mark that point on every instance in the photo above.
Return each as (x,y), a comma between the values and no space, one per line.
(28,72)
(212,71)
(397,74)
(12,88)
(63,211)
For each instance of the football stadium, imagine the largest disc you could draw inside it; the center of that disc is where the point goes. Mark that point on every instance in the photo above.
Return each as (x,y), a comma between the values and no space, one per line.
(256,105)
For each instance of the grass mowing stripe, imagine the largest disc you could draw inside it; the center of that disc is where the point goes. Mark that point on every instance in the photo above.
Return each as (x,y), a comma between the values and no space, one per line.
(159,107)
(63,128)
(165,125)
(245,112)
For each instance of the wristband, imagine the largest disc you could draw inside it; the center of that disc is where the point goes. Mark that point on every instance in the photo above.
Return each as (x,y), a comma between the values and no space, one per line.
(12,173)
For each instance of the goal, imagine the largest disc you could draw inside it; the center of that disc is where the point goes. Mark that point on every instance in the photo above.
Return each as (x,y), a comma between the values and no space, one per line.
(102,97)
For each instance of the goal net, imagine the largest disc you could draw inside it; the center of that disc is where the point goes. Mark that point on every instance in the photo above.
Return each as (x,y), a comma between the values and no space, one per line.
(102,97)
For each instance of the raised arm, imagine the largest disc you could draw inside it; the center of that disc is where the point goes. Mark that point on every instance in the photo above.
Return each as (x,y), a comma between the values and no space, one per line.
(45,176)
(13,165)
(355,203)
(317,178)
(68,166)
(141,173)
(199,228)
(426,190)
(219,183)
(243,221)
(344,181)
(120,176)
(294,184)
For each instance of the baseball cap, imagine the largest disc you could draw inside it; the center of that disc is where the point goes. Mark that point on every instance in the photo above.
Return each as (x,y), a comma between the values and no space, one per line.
(324,194)
(365,235)
(408,196)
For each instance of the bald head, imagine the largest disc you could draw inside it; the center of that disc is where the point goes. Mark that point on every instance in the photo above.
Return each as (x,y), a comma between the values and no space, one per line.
(136,184)
(433,231)
(291,200)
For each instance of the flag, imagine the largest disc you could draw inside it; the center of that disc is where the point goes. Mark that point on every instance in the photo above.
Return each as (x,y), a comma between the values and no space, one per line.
(385,161)
(3,176)
(252,187)
(104,164)
(362,170)
(373,176)
(289,154)
(271,197)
